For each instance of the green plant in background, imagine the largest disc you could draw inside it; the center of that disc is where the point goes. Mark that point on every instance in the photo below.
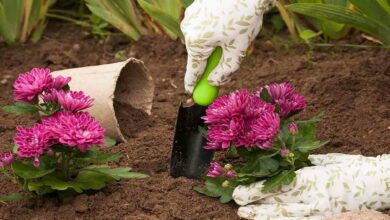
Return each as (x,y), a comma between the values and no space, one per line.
(371,17)
(21,20)
(309,27)
(125,15)
(122,14)
(167,13)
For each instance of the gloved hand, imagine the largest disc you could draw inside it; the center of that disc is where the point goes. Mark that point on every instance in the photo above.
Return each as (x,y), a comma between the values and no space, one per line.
(338,183)
(230,24)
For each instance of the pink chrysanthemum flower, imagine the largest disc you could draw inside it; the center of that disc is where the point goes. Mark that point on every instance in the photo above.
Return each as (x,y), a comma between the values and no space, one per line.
(75,129)
(74,101)
(261,131)
(284,95)
(215,170)
(242,119)
(49,95)
(32,142)
(60,82)
(6,158)
(29,85)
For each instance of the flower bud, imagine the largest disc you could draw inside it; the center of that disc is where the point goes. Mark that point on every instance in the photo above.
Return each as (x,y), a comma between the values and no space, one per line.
(6,158)
(284,152)
(215,170)
(293,128)
(228,167)
(230,174)
(291,155)
(36,162)
(225,184)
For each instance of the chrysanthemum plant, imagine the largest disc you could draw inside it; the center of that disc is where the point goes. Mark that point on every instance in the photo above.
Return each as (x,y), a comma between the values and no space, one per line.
(61,153)
(259,138)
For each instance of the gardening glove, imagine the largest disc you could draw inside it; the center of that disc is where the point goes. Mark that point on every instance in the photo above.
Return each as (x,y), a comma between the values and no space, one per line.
(338,183)
(230,24)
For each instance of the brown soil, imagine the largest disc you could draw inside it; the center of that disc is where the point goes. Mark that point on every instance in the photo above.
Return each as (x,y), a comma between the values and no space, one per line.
(350,85)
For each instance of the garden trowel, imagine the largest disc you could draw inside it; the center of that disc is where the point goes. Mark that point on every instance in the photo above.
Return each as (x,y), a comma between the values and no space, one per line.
(188,157)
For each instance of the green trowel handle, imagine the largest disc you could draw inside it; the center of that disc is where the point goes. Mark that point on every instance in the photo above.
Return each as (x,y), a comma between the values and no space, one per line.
(204,93)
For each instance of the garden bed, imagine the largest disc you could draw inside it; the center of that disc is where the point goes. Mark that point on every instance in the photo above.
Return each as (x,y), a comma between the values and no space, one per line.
(350,85)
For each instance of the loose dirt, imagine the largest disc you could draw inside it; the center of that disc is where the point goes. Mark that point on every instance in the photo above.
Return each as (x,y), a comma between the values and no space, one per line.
(351,85)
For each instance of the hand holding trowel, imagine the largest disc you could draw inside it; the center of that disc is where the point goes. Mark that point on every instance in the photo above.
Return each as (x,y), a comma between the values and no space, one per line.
(217,35)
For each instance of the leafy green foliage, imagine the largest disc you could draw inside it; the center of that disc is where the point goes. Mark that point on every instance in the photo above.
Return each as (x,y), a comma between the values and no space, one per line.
(372,18)
(122,14)
(283,178)
(23,20)
(213,188)
(167,13)
(254,164)
(69,171)
(28,171)
(20,108)
(309,28)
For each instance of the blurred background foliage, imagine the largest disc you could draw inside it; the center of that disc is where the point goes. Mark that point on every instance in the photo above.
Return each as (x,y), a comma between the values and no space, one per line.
(309,21)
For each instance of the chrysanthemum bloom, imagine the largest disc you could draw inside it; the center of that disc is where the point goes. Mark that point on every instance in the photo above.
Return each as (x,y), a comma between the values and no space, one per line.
(6,158)
(74,101)
(242,119)
(75,129)
(32,142)
(60,82)
(215,170)
(49,95)
(284,95)
(293,128)
(29,85)
(230,174)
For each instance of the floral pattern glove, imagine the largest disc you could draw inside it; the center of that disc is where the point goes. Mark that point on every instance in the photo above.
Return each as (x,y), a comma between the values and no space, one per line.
(230,24)
(338,183)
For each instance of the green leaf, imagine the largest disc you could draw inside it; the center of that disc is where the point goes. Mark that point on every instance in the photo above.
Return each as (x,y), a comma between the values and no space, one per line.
(162,17)
(122,14)
(373,10)
(11,197)
(308,146)
(385,5)
(264,95)
(109,142)
(284,178)
(54,183)
(206,192)
(20,108)
(314,119)
(28,171)
(308,34)
(215,189)
(344,15)
(260,167)
(186,3)
(116,173)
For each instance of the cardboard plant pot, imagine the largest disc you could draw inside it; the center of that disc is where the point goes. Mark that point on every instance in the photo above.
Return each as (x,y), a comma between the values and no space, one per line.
(362,215)
(125,89)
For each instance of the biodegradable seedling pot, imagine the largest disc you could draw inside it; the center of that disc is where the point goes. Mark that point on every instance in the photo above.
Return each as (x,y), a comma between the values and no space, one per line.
(363,215)
(127,84)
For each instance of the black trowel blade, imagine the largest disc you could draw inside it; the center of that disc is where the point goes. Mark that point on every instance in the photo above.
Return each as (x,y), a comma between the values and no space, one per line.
(188,157)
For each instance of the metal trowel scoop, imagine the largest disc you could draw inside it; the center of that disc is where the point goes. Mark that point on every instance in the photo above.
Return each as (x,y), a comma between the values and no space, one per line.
(188,157)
